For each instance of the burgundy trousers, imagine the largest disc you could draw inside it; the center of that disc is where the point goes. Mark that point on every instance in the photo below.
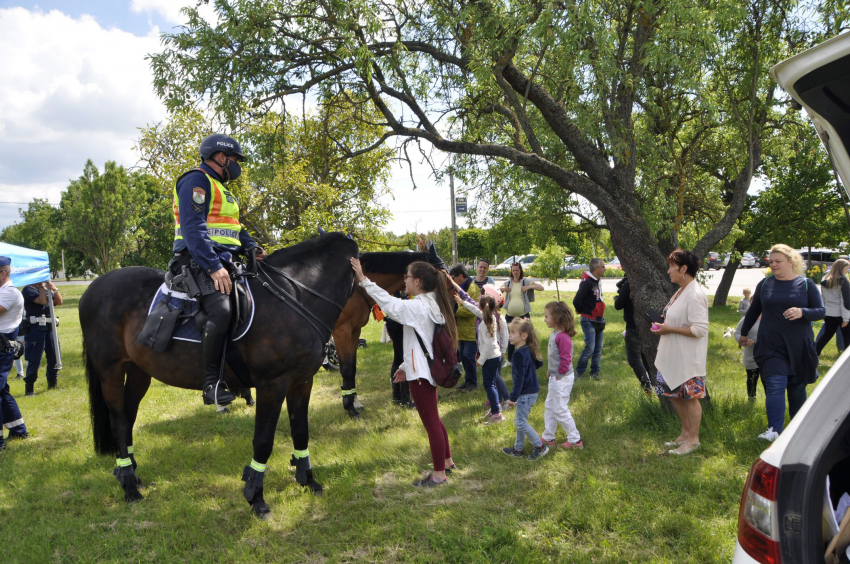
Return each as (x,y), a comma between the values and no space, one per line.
(424,395)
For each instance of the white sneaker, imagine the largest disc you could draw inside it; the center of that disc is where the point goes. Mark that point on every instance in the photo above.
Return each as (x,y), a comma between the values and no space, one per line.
(507,363)
(770,435)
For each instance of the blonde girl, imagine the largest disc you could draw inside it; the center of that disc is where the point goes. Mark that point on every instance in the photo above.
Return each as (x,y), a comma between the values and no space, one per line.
(559,317)
(526,361)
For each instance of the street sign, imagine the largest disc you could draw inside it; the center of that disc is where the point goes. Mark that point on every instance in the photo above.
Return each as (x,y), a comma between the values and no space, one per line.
(460,205)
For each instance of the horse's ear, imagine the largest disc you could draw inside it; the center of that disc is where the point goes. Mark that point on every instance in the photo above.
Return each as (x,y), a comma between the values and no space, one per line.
(434,258)
(350,237)
(322,231)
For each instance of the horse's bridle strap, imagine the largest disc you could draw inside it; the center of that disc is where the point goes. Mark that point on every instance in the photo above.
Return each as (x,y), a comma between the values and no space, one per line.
(299,284)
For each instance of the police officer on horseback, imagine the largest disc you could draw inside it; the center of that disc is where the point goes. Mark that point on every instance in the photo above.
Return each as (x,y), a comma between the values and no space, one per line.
(207,233)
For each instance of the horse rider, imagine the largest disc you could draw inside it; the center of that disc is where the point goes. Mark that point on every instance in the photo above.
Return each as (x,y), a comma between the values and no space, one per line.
(11,309)
(39,334)
(207,233)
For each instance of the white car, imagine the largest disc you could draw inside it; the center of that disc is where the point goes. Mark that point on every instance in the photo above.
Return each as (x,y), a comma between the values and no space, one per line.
(786,512)
(748,260)
(508,262)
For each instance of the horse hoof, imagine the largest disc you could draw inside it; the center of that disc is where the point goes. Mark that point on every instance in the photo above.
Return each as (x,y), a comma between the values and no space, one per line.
(261,510)
(315,488)
(250,402)
(353,413)
(133,496)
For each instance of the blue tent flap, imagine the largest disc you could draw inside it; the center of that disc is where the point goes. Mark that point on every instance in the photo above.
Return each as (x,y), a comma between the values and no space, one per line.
(28,266)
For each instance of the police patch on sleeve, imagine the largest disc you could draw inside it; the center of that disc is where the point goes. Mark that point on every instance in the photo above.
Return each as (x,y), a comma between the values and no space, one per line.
(199,195)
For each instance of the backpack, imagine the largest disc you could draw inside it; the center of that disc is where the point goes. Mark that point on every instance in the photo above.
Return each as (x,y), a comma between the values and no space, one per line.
(445,368)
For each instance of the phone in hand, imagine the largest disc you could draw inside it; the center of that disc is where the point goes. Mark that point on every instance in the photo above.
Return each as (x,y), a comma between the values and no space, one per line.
(654,316)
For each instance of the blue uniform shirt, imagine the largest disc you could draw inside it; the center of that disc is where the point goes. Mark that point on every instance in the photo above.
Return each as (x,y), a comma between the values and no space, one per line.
(193,223)
(32,309)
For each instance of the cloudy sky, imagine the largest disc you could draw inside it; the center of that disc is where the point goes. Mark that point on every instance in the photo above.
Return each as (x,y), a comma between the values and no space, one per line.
(76,86)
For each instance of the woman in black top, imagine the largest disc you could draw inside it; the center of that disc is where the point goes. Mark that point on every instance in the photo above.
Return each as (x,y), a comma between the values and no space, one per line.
(785,348)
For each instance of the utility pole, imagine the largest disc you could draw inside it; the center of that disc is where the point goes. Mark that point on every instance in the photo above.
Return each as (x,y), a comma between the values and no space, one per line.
(454,220)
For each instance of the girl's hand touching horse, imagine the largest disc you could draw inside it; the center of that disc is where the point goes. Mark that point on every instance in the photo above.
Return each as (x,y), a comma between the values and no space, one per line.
(358,270)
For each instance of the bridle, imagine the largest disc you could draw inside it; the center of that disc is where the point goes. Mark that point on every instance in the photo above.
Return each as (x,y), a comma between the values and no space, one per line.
(263,273)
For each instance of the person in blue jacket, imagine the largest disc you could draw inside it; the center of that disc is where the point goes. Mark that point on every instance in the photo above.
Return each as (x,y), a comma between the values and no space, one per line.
(39,335)
(207,233)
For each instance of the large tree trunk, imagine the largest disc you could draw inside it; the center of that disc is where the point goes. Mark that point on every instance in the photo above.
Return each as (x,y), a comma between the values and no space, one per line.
(726,283)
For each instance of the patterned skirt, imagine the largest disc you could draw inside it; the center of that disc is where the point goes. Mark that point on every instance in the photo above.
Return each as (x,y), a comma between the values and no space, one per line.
(692,389)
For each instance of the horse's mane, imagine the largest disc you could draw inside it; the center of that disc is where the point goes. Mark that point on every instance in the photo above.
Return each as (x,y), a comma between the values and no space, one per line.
(310,249)
(390,263)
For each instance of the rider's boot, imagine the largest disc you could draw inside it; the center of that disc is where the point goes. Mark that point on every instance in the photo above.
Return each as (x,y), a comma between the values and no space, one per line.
(215,390)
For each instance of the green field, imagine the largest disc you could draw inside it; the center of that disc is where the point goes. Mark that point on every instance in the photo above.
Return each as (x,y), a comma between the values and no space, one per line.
(619,500)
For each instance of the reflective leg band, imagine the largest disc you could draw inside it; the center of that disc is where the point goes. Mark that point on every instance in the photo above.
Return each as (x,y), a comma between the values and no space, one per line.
(348,392)
(130,450)
(301,453)
(257,466)
(122,462)
(13,424)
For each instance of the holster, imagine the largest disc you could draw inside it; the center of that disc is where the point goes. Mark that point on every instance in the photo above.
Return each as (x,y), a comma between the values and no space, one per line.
(159,326)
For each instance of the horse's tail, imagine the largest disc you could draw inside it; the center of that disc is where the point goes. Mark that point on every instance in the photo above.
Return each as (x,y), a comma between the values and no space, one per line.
(104,443)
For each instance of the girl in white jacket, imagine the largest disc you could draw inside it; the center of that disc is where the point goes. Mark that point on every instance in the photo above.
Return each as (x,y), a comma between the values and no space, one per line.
(430,306)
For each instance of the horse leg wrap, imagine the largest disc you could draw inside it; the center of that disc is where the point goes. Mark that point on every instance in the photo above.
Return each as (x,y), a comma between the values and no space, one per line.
(125,474)
(303,470)
(253,483)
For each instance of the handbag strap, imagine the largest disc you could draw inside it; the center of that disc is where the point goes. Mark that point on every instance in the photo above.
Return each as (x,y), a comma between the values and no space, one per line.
(422,344)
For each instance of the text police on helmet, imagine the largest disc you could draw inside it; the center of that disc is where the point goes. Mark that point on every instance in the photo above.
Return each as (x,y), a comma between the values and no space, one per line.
(219,143)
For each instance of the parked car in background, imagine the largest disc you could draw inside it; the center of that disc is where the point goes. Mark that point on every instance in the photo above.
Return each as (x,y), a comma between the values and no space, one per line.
(615,263)
(787,511)
(820,257)
(571,264)
(713,260)
(506,264)
(749,260)
(527,261)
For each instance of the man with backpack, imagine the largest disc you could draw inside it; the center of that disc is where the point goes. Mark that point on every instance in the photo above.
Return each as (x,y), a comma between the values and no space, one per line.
(588,303)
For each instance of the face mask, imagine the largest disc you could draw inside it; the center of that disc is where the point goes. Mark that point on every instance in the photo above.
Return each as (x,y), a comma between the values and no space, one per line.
(233,169)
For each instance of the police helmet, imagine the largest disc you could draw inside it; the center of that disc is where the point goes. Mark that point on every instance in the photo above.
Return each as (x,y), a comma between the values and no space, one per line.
(219,143)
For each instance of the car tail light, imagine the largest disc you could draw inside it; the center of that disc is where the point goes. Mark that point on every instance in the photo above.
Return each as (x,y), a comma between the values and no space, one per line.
(758,529)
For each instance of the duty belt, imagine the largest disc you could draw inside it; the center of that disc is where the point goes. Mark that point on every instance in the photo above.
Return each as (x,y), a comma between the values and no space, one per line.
(214,232)
(43,320)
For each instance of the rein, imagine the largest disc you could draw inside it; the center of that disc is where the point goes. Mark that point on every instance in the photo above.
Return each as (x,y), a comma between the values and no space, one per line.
(291,301)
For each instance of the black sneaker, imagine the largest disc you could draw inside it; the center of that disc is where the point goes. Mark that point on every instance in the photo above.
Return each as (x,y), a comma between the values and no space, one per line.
(594,375)
(467,388)
(29,395)
(428,482)
(224,395)
(537,452)
(510,451)
(579,375)
(450,469)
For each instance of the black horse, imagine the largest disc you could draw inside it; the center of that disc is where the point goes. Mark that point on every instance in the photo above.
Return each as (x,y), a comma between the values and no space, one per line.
(282,351)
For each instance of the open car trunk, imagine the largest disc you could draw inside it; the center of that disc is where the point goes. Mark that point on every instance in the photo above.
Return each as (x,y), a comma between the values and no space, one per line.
(820,447)
(819,80)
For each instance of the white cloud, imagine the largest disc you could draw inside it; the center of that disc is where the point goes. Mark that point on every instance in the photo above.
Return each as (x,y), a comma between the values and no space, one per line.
(170,9)
(72,90)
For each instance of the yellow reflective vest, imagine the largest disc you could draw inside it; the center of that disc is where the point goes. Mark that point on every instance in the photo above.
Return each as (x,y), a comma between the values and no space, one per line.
(222,213)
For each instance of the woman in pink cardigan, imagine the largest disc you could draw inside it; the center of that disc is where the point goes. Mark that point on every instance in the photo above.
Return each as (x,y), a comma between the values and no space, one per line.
(683,348)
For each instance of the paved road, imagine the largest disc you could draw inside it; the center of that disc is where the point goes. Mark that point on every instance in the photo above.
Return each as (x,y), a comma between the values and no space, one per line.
(744,278)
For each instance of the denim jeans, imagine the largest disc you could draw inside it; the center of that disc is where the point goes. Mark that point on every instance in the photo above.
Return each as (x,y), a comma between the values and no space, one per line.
(774,402)
(592,347)
(523,427)
(501,387)
(466,352)
(489,371)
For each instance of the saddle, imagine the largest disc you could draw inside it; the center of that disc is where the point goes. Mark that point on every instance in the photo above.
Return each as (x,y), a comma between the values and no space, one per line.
(175,304)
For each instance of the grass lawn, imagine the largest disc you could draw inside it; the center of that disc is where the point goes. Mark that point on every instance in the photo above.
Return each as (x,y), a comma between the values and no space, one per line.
(618,500)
